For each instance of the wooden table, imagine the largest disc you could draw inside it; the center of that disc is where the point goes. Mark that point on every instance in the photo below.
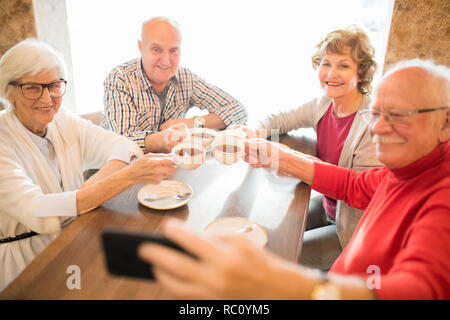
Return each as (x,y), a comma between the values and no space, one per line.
(277,204)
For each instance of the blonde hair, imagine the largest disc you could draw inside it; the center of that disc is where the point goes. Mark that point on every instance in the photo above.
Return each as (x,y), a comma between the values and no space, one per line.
(361,51)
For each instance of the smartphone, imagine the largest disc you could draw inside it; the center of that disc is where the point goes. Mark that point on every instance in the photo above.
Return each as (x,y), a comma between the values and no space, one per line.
(120,248)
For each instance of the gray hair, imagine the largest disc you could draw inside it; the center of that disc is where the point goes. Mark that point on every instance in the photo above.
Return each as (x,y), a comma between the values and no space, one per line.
(28,58)
(440,73)
(169,20)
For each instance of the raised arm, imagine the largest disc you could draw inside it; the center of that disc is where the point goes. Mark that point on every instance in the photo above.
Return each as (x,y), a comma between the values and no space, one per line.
(302,116)
(117,176)
(354,188)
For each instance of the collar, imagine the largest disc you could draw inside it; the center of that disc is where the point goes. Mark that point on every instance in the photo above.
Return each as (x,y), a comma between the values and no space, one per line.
(365,103)
(38,140)
(434,159)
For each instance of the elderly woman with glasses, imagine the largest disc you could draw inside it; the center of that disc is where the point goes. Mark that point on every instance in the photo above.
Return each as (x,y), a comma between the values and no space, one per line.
(400,248)
(44,151)
(345,63)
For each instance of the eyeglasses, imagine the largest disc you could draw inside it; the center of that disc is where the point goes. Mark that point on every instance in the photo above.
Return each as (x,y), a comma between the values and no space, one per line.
(34,91)
(394,116)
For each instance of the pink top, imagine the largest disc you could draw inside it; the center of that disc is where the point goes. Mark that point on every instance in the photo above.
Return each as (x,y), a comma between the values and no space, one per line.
(401,245)
(331,135)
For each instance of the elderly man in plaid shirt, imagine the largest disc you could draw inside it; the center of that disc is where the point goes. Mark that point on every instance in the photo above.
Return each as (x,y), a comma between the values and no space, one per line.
(146,99)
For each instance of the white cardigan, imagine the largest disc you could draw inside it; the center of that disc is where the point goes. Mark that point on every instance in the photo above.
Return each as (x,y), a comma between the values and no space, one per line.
(26,177)
(358,152)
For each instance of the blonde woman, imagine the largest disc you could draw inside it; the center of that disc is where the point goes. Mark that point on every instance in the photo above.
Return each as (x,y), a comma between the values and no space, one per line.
(345,63)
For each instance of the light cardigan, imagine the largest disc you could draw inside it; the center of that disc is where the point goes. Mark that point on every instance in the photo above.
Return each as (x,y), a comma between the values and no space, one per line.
(26,178)
(358,152)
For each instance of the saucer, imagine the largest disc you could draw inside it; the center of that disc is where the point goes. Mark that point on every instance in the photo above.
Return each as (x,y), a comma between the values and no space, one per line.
(230,225)
(165,188)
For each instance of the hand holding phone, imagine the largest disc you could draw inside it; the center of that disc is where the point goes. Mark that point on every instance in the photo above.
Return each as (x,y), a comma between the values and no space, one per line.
(121,248)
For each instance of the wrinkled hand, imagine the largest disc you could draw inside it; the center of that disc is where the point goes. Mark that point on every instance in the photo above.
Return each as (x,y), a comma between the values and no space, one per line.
(262,153)
(174,135)
(227,267)
(151,168)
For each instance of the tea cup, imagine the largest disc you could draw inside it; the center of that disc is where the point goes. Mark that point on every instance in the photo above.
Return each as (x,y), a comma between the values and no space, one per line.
(203,136)
(227,149)
(188,155)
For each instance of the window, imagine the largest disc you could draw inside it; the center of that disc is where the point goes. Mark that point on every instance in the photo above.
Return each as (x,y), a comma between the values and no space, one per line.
(257,50)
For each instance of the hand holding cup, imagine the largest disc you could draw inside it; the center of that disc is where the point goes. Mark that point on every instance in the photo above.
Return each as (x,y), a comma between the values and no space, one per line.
(248,132)
(151,168)
(174,135)
(262,153)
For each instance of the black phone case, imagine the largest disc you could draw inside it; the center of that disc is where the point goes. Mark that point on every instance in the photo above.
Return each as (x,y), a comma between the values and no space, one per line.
(121,247)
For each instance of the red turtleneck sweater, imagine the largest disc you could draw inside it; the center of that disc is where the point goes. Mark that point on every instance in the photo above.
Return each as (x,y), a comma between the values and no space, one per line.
(405,230)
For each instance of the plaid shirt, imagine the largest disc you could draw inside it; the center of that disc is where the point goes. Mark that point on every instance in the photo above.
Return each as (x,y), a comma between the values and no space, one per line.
(134,109)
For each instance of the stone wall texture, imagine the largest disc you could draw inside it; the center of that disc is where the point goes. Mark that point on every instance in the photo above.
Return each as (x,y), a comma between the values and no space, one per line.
(16,22)
(419,29)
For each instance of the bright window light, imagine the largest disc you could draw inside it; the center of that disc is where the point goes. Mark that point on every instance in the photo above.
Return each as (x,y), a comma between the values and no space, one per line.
(258,51)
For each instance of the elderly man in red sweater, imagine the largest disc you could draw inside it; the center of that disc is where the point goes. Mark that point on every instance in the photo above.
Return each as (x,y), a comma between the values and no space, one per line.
(401,246)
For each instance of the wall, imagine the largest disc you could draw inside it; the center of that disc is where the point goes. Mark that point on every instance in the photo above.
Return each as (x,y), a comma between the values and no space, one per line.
(51,26)
(419,29)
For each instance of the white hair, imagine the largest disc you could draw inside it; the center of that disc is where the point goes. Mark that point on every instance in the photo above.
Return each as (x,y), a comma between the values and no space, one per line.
(28,58)
(169,20)
(441,73)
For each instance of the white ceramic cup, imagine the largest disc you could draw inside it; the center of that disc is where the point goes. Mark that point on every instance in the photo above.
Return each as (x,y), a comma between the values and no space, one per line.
(203,136)
(227,149)
(188,155)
